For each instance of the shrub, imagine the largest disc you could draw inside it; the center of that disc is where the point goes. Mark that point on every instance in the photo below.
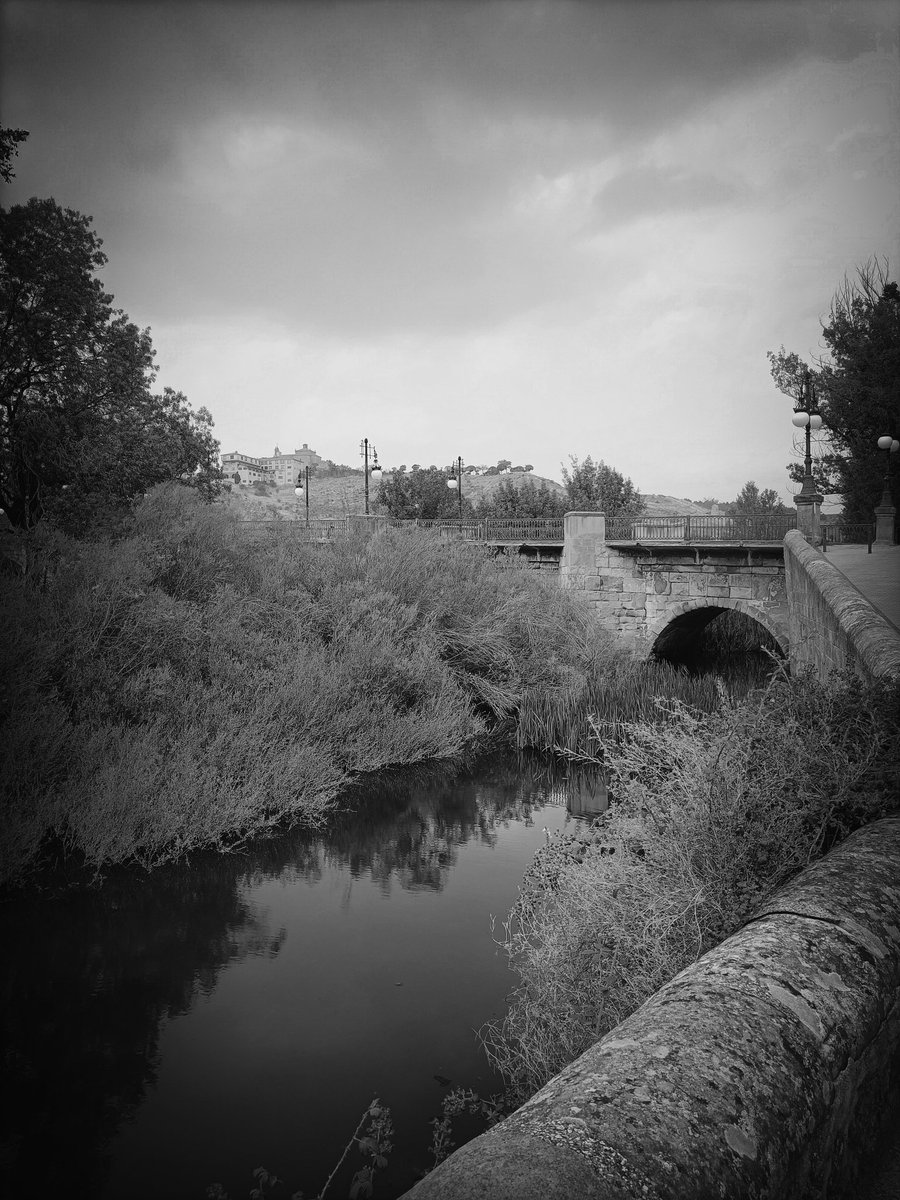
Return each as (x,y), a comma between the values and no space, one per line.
(191,684)
(711,814)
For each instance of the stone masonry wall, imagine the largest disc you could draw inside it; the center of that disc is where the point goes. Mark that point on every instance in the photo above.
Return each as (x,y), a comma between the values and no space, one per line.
(636,595)
(832,626)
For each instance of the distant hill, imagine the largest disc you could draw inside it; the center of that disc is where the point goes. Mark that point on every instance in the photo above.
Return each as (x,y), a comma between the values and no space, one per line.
(342,495)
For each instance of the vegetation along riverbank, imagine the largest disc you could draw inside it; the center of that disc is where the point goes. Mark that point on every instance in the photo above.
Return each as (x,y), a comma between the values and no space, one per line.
(184,684)
(712,813)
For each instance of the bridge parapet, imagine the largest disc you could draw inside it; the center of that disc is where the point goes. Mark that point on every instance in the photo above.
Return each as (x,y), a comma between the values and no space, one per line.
(638,588)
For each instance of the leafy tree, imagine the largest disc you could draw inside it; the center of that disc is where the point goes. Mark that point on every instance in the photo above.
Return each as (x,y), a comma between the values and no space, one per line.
(422,492)
(751,502)
(857,387)
(81,433)
(595,487)
(504,464)
(526,500)
(9,142)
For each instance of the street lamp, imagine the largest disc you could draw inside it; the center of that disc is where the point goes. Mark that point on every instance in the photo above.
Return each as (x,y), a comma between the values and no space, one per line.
(455,484)
(302,488)
(375,472)
(890,446)
(808,500)
(807,418)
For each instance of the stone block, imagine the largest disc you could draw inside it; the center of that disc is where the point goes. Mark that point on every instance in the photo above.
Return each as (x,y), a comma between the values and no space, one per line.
(721,592)
(741,593)
(612,583)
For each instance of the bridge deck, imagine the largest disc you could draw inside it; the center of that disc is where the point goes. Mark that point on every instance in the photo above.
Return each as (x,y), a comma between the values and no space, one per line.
(876,575)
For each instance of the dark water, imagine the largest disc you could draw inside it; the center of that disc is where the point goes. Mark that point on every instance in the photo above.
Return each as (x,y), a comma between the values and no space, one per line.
(173,1030)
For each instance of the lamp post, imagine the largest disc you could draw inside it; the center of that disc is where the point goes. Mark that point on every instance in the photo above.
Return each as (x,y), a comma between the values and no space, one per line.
(302,488)
(886,512)
(808,500)
(455,484)
(375,472)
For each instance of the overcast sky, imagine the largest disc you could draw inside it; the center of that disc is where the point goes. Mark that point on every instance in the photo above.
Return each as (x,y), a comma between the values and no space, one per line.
(497,230)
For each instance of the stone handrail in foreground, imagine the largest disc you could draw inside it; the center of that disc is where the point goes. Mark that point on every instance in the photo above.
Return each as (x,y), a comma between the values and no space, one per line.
(832,625)
(760,1071)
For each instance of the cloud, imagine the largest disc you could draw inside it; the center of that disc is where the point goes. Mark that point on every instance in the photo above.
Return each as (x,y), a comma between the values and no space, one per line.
(648,190)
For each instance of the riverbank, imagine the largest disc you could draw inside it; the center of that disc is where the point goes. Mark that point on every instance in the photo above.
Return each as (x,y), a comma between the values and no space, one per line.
(186,685)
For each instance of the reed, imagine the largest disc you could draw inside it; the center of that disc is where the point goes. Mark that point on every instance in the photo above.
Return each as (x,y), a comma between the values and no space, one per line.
(579,717)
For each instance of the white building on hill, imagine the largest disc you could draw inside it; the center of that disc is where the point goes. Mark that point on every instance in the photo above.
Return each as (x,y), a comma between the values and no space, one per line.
(276,468)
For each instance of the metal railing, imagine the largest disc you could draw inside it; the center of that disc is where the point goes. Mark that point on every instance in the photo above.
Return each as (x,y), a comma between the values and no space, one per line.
(492,529)
(513,529)
(861,533)
(699,529)
(318,529)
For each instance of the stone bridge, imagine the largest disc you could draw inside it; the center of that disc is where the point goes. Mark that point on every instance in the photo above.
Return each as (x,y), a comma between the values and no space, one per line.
(657,593)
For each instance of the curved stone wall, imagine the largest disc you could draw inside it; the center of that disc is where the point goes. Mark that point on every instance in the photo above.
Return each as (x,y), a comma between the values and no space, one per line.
(760,1071)
(832,625)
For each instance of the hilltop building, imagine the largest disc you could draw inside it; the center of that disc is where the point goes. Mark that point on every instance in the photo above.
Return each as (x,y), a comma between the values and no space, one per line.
(276,468)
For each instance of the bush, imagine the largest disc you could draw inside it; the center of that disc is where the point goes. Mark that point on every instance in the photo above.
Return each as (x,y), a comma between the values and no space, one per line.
(711,814)
(192,683)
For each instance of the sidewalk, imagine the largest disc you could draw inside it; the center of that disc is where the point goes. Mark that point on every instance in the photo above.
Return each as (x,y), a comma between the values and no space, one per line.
(876,575)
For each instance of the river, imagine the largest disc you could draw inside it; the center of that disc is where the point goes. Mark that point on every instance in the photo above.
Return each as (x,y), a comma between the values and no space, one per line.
(168,1031)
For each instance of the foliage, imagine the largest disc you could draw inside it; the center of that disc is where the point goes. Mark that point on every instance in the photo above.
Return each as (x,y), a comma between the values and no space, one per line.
(524,500)
(9,143)
(751,502)
(456,1102)
(421,492)
(373,1143)
(710,815)
(595,487)
(192,683)
(81,433)
(857,386)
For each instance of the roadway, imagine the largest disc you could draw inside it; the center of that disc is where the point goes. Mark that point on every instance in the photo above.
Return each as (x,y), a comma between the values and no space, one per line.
(876,575)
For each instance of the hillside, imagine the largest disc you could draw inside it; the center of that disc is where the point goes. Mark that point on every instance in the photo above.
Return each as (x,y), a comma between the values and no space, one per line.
(342,495)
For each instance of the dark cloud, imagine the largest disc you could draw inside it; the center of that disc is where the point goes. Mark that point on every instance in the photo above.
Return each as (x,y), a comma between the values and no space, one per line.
(437,112)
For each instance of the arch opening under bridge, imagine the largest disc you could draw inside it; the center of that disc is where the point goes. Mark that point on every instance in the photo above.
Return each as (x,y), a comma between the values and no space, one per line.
(676,633)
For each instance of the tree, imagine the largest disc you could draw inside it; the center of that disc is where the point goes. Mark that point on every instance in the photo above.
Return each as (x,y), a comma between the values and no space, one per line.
(81,433)
(857,387)
(595,487)
(527,500)
(422,492)
(9,142)
(751,502)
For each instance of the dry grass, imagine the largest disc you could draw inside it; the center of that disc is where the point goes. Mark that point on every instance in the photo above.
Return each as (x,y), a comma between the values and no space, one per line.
(188,685)
(710,815)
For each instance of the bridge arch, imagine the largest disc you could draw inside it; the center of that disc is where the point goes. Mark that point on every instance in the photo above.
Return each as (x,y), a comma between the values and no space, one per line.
(694,614)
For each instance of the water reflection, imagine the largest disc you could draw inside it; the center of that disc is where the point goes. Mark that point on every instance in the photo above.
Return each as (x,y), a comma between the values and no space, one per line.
(94,980)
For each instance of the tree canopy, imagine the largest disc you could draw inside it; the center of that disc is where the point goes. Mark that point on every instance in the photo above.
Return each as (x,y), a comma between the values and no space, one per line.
(596,487)
(857,386)
(524,500)
(81,432)
(9,143)
(420,492)
(753,502)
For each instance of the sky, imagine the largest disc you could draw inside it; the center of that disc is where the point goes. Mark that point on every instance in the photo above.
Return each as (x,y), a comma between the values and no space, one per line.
(505,230)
